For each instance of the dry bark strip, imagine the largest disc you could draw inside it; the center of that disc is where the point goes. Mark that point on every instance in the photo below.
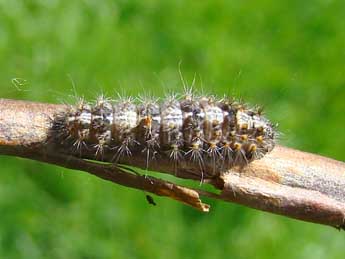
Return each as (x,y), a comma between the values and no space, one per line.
(287,182)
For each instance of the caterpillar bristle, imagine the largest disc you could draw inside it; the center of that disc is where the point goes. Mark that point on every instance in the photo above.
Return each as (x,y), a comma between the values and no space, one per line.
(213,133)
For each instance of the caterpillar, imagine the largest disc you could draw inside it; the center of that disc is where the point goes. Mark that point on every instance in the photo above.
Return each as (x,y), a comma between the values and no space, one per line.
(223,133)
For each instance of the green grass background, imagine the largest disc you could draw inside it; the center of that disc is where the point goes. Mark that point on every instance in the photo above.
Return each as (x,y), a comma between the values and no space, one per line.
(288,56)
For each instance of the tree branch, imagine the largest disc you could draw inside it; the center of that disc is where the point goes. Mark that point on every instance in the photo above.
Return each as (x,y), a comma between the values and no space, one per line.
(286,181)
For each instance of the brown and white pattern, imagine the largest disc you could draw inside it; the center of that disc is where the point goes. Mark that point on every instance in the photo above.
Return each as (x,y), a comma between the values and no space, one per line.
(200,130)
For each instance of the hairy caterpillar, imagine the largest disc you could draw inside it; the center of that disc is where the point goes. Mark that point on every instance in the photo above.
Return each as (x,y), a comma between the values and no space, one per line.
(222,133)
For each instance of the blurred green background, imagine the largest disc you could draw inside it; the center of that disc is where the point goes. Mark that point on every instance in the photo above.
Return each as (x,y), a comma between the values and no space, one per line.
(288,56)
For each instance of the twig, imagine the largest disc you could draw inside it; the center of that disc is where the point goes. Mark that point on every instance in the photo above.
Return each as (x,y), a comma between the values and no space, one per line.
(286,181)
